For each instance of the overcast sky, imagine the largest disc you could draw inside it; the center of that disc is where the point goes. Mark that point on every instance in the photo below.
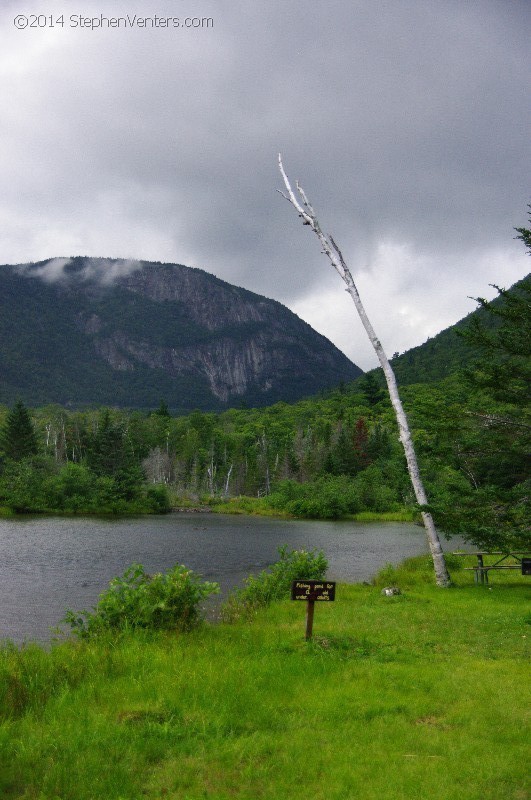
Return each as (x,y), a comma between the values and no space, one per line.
(406,121)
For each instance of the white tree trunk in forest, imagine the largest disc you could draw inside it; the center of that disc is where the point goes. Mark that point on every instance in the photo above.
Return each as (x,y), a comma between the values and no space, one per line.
(227,481)
(332,251)
(211,473)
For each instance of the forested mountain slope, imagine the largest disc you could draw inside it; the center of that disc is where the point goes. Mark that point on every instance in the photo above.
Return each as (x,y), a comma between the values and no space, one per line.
(446,352)
(87,331)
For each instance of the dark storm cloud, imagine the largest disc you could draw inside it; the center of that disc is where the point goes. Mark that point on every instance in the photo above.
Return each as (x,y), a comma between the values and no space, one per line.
(405,122)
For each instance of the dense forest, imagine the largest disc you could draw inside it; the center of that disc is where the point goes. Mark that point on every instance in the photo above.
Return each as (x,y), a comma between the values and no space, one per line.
(330,456)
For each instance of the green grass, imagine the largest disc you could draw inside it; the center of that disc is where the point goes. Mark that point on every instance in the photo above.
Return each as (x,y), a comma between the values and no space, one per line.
(422,695)
(404,515)
(6,512)
(256,506)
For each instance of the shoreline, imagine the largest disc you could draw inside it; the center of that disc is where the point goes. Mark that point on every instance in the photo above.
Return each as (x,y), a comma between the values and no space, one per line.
(236,507)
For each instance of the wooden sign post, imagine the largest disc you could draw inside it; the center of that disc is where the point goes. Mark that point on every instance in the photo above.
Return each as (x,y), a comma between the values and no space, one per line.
(312,592)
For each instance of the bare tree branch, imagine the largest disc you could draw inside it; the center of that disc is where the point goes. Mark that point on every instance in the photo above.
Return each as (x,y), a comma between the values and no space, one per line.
(335,256)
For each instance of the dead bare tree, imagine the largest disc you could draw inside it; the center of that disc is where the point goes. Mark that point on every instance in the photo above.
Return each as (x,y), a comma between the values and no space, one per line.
(332,251)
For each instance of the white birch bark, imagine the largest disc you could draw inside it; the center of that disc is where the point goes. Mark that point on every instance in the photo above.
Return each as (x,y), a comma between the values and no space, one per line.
(332,251)
(227,481)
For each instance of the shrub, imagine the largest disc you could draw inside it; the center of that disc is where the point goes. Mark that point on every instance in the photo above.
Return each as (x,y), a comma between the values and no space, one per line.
(73,488)
(138,600)
(158,499)
(21,484)
(329,497)
(260,590)
(377,488)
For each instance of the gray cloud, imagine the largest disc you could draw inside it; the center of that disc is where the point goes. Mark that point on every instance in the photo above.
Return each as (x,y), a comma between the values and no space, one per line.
(405,121)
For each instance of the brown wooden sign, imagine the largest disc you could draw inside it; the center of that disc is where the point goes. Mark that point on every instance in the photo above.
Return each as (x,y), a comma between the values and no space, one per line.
(313,591)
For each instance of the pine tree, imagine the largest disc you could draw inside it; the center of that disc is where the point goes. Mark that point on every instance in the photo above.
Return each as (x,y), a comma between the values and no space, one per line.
(110,453)
(18,439)
(505,367)
(371,389)
(162,410)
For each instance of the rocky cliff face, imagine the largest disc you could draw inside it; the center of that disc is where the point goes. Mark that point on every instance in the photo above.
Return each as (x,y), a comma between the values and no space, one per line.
(133,333)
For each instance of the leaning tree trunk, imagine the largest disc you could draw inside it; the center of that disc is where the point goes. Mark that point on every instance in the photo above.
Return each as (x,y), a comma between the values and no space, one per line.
(330,249)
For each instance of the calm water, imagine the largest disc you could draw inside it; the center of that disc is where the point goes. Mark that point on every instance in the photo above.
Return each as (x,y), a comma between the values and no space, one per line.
(50,564)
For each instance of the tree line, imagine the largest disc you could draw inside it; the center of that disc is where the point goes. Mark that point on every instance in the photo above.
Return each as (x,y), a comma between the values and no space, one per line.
(325,457)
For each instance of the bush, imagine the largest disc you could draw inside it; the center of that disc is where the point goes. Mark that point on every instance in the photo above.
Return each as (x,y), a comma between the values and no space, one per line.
(137,600)
(260,590)
(377,488)
(22,484)
(37,484)
(329,497)
(72,489)
(158,499)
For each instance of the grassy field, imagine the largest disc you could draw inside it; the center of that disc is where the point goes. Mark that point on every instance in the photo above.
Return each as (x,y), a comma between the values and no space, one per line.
(422,695)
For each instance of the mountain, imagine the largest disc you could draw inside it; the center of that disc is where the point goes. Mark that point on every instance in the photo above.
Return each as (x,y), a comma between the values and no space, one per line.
(84,331)
(438,357)
(448,351)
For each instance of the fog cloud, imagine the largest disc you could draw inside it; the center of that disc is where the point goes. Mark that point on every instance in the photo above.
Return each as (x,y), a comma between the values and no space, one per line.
(94,270)
(50,272)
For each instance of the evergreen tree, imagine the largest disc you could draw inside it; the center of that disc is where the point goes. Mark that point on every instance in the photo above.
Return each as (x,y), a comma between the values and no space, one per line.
(524,234)
(371,389)
(162,410)
(110,454)
(379,445)
(350,452)
(505,368)
(18,437)
(343,459)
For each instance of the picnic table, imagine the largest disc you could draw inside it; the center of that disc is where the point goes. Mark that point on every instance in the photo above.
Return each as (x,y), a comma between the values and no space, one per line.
(481,569)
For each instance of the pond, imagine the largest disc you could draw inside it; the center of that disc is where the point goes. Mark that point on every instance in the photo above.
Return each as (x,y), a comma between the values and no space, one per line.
(48,564)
